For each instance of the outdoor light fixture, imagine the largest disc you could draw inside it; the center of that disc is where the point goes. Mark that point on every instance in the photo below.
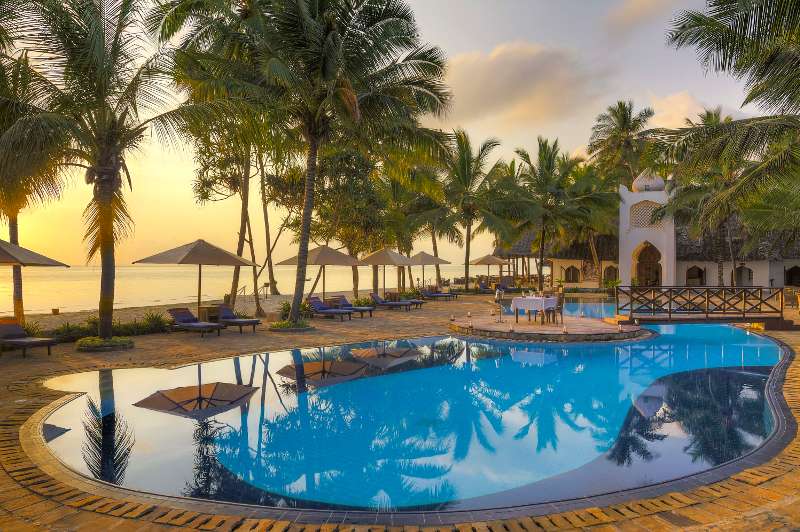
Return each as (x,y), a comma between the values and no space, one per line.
(469,314)
(564,329)
(619,327)
(452,318)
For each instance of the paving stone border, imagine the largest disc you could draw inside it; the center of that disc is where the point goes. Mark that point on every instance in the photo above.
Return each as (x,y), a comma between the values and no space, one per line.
(36,492)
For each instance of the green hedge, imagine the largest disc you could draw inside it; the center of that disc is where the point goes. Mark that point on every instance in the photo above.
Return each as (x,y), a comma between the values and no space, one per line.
(94,343)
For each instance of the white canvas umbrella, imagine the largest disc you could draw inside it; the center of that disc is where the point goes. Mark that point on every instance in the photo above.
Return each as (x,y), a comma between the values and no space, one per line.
(198,252)
(324,256)
(382,258)
(426,259)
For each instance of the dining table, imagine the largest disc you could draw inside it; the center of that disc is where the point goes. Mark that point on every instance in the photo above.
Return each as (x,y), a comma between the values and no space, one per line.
(536,304)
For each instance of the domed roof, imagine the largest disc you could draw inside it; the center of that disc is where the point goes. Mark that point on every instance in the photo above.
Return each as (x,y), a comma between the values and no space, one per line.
(647,181)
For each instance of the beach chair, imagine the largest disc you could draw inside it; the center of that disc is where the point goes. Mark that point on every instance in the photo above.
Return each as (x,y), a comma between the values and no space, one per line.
(428,294)
(13,335)
(382,303)
(318,308)
(186,321)
(345,304)
(228,317)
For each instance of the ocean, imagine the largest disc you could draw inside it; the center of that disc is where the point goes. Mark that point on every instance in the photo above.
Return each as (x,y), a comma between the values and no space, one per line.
(78,288)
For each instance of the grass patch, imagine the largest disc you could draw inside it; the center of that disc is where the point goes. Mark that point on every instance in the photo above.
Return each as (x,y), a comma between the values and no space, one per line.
(288,325)
(95,343)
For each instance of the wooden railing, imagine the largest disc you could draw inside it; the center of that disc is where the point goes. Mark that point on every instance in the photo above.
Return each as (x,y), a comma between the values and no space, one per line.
(708,301)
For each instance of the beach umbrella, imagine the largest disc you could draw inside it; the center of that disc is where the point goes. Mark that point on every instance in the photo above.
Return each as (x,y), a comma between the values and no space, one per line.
(489,260)
(324,256)
(386,257)
(198,402)
(14,255)
(426,259)
(198,252)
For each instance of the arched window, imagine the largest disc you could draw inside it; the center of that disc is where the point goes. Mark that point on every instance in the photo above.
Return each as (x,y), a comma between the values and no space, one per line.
(572,275)
(642,214)
(695,276)
(611,273)
(647,265)
(793,276)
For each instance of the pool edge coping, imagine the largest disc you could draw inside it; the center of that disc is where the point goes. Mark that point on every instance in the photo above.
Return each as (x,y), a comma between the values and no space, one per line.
(33,444)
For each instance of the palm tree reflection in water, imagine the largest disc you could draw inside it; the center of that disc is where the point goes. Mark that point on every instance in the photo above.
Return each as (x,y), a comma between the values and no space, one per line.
(108,439)
(382,444)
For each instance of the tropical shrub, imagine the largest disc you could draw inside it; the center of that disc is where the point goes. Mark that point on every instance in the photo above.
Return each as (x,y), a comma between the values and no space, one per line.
(95,343)
(286,308)
(286,324)
(33,328)
(363,302)
(156,322)
(411,294)
(68,332)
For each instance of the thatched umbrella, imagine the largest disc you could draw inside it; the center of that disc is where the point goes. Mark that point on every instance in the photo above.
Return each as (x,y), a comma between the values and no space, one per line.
(382,258)
(426,259)
(198,252)
(324,256)
(489,260)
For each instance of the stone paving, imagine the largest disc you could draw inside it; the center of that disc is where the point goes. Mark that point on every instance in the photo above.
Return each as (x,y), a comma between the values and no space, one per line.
(40,494)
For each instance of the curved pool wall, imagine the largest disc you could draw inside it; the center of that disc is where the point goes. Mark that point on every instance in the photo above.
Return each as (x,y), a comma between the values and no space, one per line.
(477,424)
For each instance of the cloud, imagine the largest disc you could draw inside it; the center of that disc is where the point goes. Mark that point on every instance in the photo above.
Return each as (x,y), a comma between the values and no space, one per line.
(671,111)
(630,14)
(518,83)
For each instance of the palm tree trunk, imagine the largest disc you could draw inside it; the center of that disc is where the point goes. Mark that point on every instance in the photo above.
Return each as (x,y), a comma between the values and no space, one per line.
(595,256)
(108,425)
(16,271)
(718,244)
(244,194)
(730,252)
(466,254)
(104,196)
(256,296)
(540,266)
(273,285)
(436,254)
(355,274)
(375,279)
(305,228)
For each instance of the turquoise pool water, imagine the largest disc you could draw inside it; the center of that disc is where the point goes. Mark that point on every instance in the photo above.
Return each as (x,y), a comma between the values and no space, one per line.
(473,424)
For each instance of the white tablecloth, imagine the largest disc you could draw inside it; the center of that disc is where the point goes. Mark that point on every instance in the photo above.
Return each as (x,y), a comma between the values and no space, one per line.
(536,303)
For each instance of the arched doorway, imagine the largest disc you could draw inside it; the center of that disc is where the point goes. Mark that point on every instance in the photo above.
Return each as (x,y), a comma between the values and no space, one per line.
(648,265)
(793,276)
(744,276)
(695,276)
(611,273)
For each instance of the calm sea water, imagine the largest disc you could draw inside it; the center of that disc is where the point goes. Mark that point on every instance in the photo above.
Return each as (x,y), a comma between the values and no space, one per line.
(78,288)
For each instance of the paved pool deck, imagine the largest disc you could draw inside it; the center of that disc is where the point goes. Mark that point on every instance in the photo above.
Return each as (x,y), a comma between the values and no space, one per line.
(38,493)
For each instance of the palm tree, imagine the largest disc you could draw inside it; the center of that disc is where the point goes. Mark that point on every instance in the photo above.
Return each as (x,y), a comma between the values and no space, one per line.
(615,142)
(331,65)
(27,186)
(749,40)
(694,200)
(102,96)
(440,223)
(474,191)
(545,182)
(8,19)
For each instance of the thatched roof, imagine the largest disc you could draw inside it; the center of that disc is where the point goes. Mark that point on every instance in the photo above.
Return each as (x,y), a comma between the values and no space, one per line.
(776,247)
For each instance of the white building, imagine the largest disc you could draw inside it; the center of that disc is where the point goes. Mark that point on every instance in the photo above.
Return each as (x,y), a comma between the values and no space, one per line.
(660,254)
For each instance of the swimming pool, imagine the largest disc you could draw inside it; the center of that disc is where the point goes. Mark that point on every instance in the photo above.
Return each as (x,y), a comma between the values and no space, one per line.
(473,425)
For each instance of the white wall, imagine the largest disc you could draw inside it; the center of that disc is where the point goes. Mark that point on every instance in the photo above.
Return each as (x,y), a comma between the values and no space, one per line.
(631,238)
(560,266)
(763,271)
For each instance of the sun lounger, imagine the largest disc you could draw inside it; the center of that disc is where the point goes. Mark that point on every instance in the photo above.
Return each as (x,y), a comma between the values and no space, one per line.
(186,321)
(14,336)
(380,302)
(227,317)
(345,304)
(427,294)
(321,309)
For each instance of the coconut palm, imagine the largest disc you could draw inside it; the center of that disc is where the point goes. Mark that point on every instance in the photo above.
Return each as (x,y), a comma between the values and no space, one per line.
(615,143)
(7,24)
(101,95)
(545,183)
(475,191)
(753,41)
(439,222)
(26,186)
(331,65)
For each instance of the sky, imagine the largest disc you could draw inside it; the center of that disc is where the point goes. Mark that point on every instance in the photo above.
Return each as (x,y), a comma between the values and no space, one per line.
(517,68)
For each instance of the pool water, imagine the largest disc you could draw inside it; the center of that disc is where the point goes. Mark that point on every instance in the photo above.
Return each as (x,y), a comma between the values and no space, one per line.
(575,306)
(473,424)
